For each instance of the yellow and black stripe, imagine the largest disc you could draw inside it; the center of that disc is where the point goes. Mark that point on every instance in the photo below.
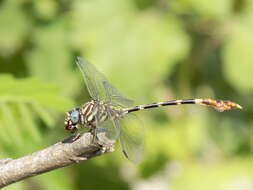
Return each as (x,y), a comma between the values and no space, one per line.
(219,105)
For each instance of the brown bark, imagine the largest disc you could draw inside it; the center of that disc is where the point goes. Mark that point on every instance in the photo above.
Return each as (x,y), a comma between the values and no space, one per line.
(59,155)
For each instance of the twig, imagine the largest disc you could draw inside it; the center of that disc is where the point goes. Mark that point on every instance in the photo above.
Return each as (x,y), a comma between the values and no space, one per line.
(56,156)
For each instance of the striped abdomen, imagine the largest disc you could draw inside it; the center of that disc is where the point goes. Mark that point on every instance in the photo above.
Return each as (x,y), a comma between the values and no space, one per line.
(219,105)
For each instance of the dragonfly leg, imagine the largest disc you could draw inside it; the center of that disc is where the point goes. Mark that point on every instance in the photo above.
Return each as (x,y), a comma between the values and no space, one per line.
(76,137)
(94,134)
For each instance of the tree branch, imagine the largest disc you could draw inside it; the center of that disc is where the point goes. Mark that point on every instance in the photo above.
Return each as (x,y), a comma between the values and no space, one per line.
(59,155)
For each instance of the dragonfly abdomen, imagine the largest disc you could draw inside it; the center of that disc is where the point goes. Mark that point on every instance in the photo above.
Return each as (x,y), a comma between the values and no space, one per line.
(219,105)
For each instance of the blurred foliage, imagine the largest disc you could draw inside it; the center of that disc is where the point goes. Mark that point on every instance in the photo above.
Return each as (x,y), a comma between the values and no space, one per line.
(152,50)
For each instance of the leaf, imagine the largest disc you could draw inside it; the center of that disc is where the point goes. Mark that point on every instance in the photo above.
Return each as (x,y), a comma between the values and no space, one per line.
(12,35)
(215,9)
(43,114)
(10,123)
(238,57)
(46,9)
(51,59)
(22,103)
(28,122)
(5,127)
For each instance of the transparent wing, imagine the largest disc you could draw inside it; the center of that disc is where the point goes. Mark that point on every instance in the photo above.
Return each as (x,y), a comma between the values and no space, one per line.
(131,138)
(115,97)
(107,131)
(98,86)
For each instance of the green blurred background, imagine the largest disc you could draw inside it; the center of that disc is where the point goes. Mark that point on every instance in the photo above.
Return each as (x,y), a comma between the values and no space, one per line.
(151,50)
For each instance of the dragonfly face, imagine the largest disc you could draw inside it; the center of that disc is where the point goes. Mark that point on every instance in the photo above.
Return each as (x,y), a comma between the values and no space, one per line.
(72,120)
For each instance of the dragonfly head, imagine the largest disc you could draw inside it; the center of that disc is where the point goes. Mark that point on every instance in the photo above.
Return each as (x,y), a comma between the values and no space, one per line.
(72,120)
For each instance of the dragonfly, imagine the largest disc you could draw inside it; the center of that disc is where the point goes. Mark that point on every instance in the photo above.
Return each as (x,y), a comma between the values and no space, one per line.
(112,112)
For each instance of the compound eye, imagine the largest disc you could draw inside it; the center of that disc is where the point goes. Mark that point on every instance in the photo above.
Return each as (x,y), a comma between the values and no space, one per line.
(74,116)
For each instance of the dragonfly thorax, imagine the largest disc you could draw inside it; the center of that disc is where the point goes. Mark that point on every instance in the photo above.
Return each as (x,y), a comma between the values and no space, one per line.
(90,115)
(96,112)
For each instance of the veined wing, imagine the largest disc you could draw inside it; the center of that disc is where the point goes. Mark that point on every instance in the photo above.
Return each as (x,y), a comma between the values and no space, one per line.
(108,131)
(130,132)
(131,138)
(98,86)
(115,97)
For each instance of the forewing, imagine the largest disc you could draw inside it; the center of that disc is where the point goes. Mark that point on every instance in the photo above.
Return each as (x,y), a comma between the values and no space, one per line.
(93,79)
(98,86)
(115,97)
(131,138)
